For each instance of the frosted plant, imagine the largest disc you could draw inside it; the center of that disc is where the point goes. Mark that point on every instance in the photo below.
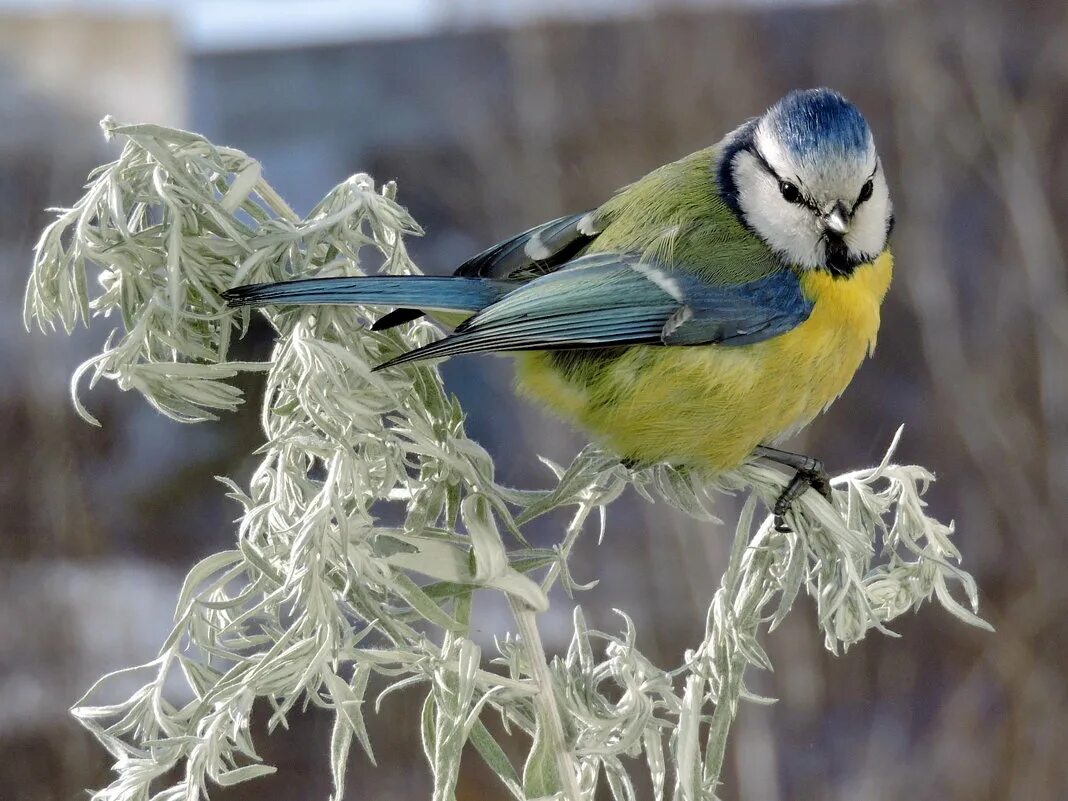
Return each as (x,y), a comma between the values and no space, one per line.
(318,600)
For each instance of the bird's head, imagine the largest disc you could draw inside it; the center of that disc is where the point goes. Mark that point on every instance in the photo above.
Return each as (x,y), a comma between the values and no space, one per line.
(806,178)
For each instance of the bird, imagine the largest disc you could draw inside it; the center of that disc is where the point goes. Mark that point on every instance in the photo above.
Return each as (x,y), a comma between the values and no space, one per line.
(700,316)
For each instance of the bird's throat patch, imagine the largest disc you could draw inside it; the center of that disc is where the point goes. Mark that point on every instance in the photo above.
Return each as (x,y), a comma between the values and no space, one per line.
(838,261)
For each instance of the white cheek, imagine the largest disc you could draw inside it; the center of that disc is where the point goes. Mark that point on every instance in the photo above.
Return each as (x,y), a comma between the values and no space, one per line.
(786,227)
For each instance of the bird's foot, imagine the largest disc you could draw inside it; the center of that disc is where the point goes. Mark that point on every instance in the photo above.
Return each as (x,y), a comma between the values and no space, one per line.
(809,473)
(815,477)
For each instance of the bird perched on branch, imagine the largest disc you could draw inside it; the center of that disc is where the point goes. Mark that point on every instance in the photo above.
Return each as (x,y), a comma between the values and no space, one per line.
(701,314)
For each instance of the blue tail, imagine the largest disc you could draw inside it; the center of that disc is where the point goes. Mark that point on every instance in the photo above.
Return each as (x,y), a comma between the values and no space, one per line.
(449,293)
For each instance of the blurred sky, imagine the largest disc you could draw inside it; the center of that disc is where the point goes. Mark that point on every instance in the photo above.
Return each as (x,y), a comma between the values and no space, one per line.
(253,24)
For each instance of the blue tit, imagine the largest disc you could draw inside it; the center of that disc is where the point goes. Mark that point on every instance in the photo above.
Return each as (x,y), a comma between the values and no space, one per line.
(702,314)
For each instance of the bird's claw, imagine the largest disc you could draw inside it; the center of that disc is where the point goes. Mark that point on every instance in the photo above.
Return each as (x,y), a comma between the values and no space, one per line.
(821,482)
(813,476)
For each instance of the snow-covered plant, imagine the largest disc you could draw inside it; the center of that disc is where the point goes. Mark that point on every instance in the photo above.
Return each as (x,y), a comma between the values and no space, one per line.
(322,603)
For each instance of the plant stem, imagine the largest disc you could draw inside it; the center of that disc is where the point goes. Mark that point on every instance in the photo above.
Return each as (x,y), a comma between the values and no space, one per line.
(552,726)
(745,585)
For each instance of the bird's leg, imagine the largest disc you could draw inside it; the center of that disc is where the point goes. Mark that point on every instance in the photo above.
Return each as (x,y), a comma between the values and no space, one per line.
(809,473)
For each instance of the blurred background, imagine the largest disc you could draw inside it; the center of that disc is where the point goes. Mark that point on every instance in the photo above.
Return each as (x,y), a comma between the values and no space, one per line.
(494,115)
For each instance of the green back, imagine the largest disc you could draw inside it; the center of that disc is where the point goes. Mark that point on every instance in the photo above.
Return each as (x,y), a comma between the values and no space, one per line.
(676,216)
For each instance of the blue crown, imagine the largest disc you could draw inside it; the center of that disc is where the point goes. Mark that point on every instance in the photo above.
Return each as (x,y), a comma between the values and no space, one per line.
(819,123)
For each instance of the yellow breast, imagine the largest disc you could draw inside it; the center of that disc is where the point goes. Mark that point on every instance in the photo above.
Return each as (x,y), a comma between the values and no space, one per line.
(709,406)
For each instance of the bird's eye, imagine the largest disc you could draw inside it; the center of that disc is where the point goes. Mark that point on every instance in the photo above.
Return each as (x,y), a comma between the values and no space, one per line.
(790,192)
(865,191)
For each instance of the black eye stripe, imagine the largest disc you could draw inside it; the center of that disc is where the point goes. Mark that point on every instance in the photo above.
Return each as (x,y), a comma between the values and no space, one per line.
(788,188)
(763,162)
(801,199)
(868,189)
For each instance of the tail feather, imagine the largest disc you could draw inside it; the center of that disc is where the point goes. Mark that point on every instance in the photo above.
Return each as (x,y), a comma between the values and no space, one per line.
(423,291)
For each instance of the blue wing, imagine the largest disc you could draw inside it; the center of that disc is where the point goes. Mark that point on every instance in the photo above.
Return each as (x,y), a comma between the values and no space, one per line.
(609,299)
(536,251)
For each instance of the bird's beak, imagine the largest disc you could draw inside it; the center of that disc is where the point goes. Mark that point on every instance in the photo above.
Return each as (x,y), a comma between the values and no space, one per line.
(836,221)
